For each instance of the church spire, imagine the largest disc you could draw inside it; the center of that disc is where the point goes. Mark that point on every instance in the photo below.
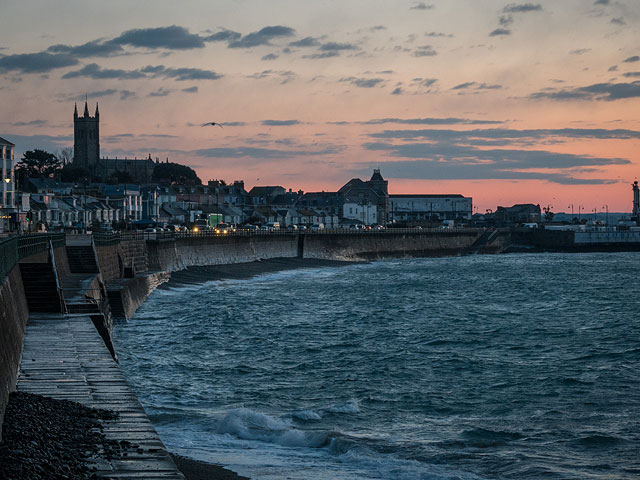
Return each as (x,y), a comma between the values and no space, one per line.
(86,110)
(97,112)
(75,110)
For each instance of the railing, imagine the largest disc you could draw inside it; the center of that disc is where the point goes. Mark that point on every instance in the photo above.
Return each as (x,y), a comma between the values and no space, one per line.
(105,239)
(15,248)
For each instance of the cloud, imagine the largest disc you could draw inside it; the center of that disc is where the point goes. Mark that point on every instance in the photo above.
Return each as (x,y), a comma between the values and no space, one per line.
(36,62)
(397,91)
(305,42)
(234,124)
(424,82)
(95,48)
(522,8)
(285,75)
(335,46)
(579,51)
(476,86)
(322,55)
(280,123)
(500,32)
(438,34)
(633,59)
(618,21)
(93,70)
(424,51)
(632,74)
(597,91)
(445,158)
(270,56)
(161,92)
(193,89)
(363,82)
(262,37)
(422,6)
(171,38)
(263,153)
(32,123)
(613,68)
(124,94)
(601,2)
(430,121)
(30,142)
(223,36)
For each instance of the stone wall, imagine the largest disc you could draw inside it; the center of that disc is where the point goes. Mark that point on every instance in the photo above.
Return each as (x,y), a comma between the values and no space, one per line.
(13,323)
(109,262)
(370,246)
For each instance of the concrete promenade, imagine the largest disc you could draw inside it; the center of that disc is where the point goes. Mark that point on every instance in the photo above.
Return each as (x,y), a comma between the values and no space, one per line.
(64,357)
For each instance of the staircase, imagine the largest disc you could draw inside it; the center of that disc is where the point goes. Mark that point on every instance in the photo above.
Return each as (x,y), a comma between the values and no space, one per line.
(40,287)
(82,259)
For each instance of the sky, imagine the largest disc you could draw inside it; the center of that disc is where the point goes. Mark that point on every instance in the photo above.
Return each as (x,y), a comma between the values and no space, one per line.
(506,102)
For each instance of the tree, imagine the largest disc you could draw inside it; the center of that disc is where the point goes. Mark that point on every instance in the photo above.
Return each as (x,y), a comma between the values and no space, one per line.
(65,156)
(37,164)
(120,177)
(175,173)
(69,173)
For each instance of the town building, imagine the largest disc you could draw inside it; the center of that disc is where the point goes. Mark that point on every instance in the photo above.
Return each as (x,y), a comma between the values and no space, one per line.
(519,213)
(8,212)
(429,207)
(374,192)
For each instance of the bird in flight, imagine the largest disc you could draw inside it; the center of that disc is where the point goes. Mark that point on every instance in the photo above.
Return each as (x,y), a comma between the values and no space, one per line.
(212,123)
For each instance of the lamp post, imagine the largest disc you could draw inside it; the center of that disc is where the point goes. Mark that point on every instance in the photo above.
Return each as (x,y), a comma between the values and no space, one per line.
(595,215)
(580,207)
(606,209)
(571,207)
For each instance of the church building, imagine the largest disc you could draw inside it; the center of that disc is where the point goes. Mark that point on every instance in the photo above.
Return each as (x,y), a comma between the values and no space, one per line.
(86,151)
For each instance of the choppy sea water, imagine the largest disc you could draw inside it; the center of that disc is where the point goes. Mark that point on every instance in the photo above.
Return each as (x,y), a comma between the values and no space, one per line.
(511,366)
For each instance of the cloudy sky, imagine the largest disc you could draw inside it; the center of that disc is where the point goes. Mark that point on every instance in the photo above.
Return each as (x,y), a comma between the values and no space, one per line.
(506,102)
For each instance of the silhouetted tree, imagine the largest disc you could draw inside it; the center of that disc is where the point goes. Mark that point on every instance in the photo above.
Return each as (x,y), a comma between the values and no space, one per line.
(36,164)
(175,173)
(65,156)
(121,177)
(69,173)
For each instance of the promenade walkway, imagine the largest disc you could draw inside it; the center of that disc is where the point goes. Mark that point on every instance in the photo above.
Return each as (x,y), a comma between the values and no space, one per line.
(65,358)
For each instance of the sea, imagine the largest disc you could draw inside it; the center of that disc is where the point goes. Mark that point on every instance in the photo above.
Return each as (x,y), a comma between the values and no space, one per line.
(474,367)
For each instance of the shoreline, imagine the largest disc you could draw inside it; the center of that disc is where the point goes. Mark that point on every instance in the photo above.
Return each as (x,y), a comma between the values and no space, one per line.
(199,470)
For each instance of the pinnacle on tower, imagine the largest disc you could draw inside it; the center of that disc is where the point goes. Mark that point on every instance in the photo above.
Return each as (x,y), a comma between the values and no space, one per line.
(75,110)
(86,110)
(97,112)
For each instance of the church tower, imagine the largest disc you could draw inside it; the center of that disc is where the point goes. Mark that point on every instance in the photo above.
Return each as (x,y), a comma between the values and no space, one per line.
(86,138)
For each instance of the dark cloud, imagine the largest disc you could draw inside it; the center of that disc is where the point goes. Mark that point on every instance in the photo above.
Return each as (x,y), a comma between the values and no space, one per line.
(161,92)
(633,59)
(234,124)
(601,2)
(171,38)
(285,76)
(322,55)
(613,68)
(263,153)
(125,94)
(500,32)
(262,37)
(96,48)
(31,142)
(397,91)
(335,46)
(93,70)
(270,56)
(438,34)
(444,158)
(422,6)
(363,82)
(306,42)
(618,21)
(632,74)
(476,86)
(522,8)
(223,36)
(505,20)
(424,82)
(280,123)
(36,62)
(430,121)
(424,51)
(598,91)
(32,123)
(193,89)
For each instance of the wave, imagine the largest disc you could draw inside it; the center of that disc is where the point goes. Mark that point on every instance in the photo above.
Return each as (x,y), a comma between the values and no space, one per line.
(483,438)
(599,441)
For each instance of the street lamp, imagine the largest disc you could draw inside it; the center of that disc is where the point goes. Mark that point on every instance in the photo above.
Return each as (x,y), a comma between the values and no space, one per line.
(606,209)
(580,207)
(571,207)
(595,215)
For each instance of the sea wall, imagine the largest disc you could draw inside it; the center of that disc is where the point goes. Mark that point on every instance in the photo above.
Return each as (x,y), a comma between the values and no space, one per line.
(368,246)
(127,295)
(13,323)
(173,255)
(125,258)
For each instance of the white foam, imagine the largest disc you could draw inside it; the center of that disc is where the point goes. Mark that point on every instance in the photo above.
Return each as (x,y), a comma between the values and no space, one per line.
(307,415)
(350,407)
